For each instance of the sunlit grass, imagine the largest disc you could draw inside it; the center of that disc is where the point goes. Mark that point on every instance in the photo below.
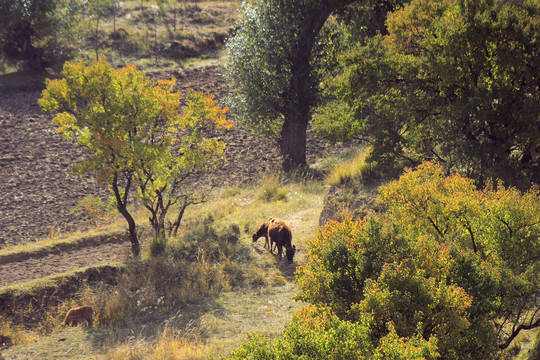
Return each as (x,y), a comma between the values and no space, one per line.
(174,346)
(351,171)
(248,207)
(271,190)
(14,334)
(212,255)
(167,346)
(56,241)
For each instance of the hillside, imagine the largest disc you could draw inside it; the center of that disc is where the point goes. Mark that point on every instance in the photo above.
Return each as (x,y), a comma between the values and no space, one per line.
(209,324)
(38,194)
(201,294)
(38,191)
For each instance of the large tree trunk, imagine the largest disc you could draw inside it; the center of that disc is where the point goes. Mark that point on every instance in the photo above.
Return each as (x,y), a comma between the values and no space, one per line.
(293,139)
(301,95)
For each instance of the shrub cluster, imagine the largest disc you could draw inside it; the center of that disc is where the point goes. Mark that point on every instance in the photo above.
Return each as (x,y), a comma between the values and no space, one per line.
(204,261)
(448,271)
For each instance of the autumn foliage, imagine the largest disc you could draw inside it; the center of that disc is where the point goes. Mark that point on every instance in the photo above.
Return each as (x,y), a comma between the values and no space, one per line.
(444,271)
(139,142)
(446,263)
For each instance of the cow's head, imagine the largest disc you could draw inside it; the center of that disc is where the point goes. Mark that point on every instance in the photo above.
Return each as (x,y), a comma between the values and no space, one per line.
(290,253)
(263,229)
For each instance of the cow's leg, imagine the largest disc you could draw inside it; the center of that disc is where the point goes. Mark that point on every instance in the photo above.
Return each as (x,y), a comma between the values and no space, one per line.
(271,245)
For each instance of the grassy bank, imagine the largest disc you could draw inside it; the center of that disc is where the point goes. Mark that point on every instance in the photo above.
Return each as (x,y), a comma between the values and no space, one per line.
(209,286)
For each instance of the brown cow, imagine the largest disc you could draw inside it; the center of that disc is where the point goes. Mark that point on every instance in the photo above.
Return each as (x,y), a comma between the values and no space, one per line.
(79,314)
(279,233)
(263,231)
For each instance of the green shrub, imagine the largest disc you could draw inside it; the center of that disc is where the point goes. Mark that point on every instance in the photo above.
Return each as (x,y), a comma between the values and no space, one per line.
(446,263)
(157,246)
(316,333)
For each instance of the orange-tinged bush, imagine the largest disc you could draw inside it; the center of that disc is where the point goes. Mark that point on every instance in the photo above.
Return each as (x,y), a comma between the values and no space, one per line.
(446,262)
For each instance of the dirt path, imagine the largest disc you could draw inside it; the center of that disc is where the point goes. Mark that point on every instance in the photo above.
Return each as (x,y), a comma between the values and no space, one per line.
(37,190)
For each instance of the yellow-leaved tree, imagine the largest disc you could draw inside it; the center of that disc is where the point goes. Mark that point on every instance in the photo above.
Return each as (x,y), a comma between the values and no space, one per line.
(137,138)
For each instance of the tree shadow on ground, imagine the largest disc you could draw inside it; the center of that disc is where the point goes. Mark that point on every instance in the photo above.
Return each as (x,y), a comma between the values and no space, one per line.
(186,321)
(24,81)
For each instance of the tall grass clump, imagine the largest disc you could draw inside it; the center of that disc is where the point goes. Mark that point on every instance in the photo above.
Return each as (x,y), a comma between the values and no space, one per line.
(177,347)
(271,190)
(11,334)
(167,346)
(359,170)
(353,171)
(157,246)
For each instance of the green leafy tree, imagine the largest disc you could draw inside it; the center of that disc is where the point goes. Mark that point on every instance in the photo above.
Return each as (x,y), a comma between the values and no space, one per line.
(444,84)
(135,137)
(34,31)
(190,149)
(501,227)
(344,29)
(269,69)
(445,262)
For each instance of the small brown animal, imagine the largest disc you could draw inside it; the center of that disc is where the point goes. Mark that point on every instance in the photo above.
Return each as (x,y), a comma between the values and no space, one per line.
(279,233)
(79,314)
(263,231)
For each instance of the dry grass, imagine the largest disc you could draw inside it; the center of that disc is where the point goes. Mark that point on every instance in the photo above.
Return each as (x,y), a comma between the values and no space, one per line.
(14,334)
(168,346)
(201,296)
(209,287)
(143,36)
(271,190)
(353,171)
(56,242)
(526,346)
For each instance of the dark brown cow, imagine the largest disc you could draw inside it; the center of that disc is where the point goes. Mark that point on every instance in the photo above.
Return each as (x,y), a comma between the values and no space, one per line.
(79,314)
(280,234)
(263,231)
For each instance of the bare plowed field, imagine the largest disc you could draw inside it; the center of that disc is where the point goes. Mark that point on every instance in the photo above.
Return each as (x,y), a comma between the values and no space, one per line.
(37,190)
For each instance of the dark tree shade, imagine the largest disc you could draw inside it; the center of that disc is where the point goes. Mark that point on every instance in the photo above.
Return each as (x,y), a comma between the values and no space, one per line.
(31,30)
